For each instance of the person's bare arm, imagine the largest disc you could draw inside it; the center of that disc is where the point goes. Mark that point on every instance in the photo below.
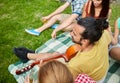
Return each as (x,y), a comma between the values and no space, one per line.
(35,56)
(65,24)
(58,10)
(116,33)
(109,14)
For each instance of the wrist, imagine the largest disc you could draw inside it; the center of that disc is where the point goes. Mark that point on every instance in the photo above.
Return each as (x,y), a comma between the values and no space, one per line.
(56,30)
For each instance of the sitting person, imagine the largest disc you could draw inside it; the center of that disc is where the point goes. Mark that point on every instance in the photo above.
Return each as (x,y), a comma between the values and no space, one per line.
(54,72)
(90,34)
(93,8)
(97,9)
(66,20)
(114,49)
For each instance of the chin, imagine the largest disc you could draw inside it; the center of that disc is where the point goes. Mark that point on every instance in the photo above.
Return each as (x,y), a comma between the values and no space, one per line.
(96,5)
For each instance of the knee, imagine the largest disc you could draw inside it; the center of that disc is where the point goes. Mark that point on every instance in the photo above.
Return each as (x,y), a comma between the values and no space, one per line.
(56,17)
(115,54)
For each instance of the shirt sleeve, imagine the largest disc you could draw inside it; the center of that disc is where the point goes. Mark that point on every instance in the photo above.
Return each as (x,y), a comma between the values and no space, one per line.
(69,1)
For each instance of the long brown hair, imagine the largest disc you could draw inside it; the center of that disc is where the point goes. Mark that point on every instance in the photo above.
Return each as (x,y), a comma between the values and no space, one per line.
(55,72)
(104,11)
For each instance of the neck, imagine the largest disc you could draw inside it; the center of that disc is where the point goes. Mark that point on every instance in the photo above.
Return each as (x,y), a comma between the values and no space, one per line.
(87,48)
(97,11)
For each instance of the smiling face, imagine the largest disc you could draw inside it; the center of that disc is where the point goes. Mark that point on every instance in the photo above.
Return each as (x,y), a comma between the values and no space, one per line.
(76,34)
(97,3)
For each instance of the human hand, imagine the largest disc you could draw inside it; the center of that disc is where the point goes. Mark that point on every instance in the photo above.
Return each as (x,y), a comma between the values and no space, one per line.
(27,79)
(40,62)
(53,34)
(45,19)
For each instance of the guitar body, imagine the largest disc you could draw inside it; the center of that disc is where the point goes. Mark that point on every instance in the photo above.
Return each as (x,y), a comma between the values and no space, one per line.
(70,53)
(72,50)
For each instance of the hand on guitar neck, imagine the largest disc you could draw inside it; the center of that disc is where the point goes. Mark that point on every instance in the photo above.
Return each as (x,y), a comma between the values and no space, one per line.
(70,53)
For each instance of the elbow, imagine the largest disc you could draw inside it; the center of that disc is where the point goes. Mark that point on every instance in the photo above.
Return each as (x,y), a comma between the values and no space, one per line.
(114,42)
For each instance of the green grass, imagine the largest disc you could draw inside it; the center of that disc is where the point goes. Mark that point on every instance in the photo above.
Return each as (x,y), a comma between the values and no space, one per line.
(115,13)
(15,16)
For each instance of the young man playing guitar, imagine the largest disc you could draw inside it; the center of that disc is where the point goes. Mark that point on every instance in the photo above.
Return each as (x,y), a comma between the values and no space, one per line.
(91,35)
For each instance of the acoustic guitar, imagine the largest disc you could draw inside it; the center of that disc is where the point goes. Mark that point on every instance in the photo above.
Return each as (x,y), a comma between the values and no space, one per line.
(70,53)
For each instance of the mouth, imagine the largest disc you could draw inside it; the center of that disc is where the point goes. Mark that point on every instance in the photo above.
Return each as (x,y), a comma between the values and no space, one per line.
(96,5)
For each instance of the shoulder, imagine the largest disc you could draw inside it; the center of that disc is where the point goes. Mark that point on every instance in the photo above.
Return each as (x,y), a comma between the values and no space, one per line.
(109,13)
(107,35)
(87,5)
(105,38)
(110,10)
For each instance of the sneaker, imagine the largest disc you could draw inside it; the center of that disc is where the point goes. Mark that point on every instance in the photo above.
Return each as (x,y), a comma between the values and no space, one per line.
(54,26)
(32,32)
(21,53)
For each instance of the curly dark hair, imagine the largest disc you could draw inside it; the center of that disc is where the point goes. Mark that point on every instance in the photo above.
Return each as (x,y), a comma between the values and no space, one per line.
(93,28)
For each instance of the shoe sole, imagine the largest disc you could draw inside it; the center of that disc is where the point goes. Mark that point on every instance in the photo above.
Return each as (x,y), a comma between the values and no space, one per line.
(30,32)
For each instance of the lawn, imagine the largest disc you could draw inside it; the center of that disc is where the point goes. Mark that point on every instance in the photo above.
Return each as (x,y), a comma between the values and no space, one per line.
(15,16)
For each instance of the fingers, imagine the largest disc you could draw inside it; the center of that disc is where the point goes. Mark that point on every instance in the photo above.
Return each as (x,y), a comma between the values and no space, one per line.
(53,34)
(27,79)
(41,61)
(43,19)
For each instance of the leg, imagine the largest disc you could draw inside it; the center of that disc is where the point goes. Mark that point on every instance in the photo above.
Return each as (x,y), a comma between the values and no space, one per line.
(45,26)
(59,17)
(49,23)
(115,53)
(63,18)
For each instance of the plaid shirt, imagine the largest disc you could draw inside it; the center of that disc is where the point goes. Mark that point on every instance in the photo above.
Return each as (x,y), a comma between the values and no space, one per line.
(83,78)
(77,5)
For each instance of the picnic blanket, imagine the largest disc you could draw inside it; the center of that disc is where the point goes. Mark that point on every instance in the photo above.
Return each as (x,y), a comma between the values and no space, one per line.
(60,44)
